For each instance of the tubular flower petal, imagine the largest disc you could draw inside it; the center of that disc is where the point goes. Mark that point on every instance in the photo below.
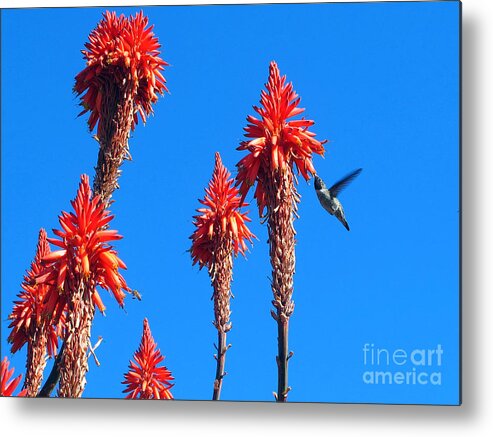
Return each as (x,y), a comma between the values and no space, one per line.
(8,386)
(145,378)
(85,254)
(221,218)
(26,317)
(121,51)
(274,143)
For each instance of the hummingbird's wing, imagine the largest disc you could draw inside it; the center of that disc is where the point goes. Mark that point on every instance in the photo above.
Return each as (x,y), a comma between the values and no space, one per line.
(343,183)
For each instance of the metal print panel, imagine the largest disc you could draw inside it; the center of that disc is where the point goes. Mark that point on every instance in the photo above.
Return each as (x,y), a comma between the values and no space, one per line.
(290,173)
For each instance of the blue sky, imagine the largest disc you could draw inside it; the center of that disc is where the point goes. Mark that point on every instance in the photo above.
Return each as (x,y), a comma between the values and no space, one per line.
(381,82)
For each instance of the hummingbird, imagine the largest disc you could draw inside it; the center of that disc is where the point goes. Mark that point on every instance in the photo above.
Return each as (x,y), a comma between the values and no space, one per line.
(328,196)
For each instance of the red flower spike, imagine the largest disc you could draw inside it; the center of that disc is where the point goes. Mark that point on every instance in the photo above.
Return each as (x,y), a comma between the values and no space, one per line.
(276,143)
(26,316)
(221,231)
(84,254)
(121,51)
(276,147)
(145,378)
(220,217)
(7,386)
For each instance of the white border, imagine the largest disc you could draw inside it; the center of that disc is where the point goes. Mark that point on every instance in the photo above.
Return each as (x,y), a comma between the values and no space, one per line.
(475,418)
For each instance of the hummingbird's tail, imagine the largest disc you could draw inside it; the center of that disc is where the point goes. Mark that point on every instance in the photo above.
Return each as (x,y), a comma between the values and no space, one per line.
(344,222)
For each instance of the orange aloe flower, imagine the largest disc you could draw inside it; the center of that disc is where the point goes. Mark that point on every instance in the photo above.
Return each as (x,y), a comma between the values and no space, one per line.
(84,255)
(7,386)
(85,260)
(122,52)
(146,379)
(26,315)
(29,324)
(220,218)
(122,78)
(276,148)
(221,231)
(274,142)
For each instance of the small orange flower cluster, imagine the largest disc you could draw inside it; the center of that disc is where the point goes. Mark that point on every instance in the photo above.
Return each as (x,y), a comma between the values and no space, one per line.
(277,143)
(145,378)
(84,255)
(220,217)
(7,386)
(121,51)
(28,310)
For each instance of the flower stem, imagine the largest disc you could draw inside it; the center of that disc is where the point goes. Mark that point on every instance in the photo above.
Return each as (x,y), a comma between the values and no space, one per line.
(74,362)
(36,361)
(54,376)
(221,274)
(113,134)
(282,360)
(220,362)
(281,208)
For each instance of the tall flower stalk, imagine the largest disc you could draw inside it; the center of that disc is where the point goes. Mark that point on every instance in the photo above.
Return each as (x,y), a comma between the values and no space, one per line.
(31,325)
(121,80)
(146,379)
(275,148)
(220,232)
(85,261)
